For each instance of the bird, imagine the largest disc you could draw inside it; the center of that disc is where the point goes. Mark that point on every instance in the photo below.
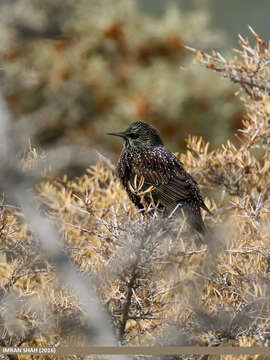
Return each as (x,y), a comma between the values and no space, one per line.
(161,174)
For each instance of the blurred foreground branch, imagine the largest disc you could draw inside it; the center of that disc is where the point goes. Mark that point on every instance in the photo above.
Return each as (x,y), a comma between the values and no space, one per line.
(46,246)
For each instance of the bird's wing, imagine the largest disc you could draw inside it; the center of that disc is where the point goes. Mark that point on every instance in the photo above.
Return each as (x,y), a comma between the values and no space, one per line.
(165,172)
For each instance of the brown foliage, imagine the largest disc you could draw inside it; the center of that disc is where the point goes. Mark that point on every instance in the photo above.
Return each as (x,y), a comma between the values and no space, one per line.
(122,68)
(158,286)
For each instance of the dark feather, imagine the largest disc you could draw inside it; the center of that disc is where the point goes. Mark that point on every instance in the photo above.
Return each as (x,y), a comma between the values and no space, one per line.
(173,186)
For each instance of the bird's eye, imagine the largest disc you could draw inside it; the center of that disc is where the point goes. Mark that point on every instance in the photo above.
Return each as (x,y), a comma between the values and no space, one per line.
(133,136)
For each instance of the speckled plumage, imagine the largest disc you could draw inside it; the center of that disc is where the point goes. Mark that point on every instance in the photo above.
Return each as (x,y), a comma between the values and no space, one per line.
(145,155)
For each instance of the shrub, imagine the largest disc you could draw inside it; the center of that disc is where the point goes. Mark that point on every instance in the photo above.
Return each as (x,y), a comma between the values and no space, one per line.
(156,284)
(74,71)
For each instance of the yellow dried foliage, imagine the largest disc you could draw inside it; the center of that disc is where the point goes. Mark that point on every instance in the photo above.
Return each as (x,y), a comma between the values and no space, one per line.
(158,285)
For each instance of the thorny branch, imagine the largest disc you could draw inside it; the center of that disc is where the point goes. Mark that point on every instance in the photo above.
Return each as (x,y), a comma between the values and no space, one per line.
(148,271)
(246,73)
(126,307)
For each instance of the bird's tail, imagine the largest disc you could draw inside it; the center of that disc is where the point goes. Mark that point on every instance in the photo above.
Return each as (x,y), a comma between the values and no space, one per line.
(194,219)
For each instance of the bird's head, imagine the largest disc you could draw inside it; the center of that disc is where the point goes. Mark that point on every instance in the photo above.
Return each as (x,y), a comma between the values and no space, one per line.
(139,135)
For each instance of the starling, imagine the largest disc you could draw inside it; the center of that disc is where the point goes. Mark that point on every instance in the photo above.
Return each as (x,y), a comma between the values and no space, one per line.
(173,190)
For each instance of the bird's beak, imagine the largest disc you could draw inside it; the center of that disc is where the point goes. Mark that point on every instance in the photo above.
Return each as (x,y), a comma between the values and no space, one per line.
(122,134)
